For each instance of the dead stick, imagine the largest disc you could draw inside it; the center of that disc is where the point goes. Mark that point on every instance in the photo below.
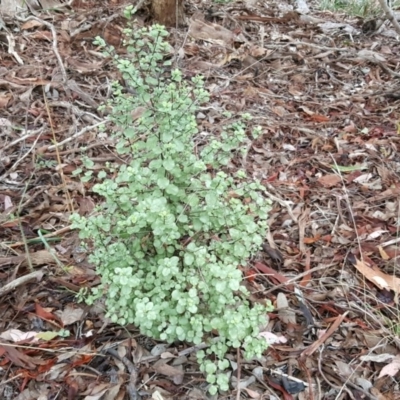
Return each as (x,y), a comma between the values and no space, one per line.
(21,281)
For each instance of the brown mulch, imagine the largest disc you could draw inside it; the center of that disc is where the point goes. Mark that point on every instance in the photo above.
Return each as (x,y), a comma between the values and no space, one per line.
(326,95)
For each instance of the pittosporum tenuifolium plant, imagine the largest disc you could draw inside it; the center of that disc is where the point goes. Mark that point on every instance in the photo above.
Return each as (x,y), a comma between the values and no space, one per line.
(174,227)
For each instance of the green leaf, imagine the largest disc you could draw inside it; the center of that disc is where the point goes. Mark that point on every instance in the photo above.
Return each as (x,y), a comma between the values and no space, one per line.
(349,168)
(162,183)
(189,259)
(223,364)
(220,286)
(211,378)
(239,250)
(102,174)
(211,199)
(166,137)
(77,171)
(223,382)
(169,164)
(183,218)
(155,164)
(151,81)
(213,389)
(47,335)
(211,368)
(193,200)
(172,189)
(193,309)
(234,285)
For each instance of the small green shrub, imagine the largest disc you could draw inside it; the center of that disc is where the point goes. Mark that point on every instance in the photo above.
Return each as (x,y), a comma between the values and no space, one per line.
(174,226)
(359,8)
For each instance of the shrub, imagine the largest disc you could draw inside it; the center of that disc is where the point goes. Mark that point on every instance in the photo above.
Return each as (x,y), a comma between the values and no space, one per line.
(360,8)
(174,226)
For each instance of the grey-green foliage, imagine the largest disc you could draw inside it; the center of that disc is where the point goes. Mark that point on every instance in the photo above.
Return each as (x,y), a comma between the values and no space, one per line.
(360,8)
(174,227)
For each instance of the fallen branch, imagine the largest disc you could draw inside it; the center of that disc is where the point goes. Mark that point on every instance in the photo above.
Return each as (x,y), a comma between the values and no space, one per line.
(76,135)
(21,281)
(389,15)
